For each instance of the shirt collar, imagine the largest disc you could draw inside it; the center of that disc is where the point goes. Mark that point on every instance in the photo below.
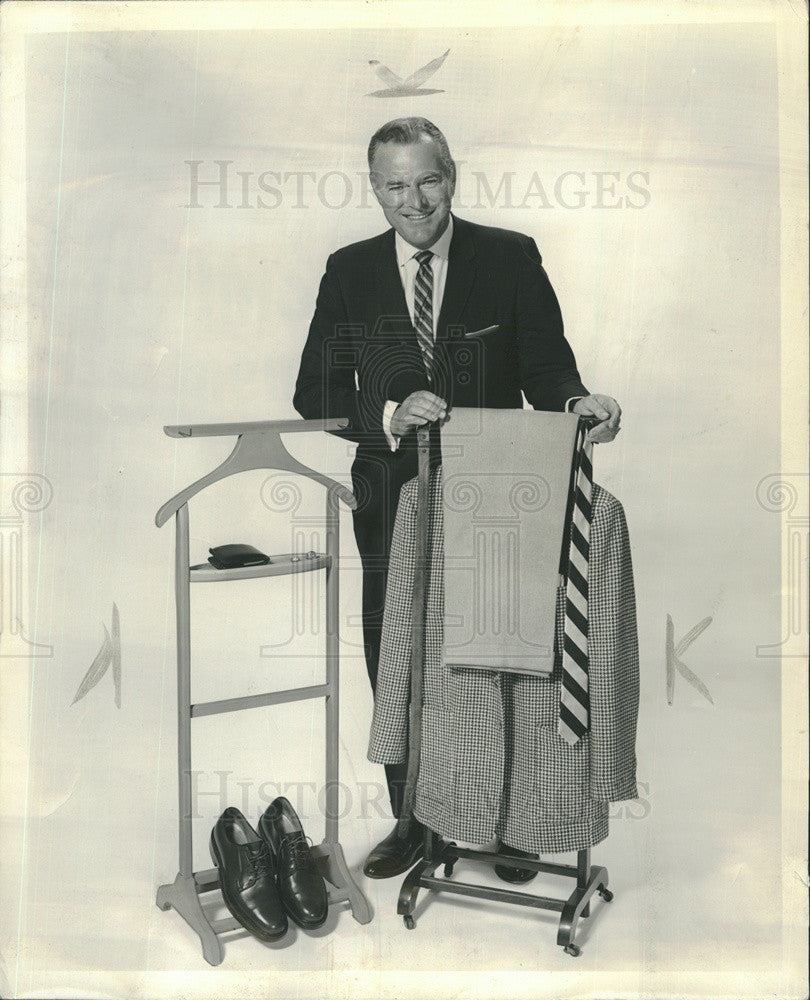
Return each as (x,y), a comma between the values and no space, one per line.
(441,248)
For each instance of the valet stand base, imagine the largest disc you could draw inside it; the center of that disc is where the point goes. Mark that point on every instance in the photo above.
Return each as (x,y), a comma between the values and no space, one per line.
(438,852)
(183,896)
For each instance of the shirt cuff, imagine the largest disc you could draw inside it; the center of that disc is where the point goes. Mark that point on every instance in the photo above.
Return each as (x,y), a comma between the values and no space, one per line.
(570,402)
(388,412)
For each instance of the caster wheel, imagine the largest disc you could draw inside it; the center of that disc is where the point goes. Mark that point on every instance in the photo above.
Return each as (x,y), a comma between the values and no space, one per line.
(605,893)
(573,949)
(409,922)
(448,870)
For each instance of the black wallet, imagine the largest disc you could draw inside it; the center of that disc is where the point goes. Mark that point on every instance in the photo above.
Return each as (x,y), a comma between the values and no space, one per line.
(235,556)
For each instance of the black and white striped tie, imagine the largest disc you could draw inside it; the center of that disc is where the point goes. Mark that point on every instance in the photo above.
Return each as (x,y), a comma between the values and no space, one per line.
(423,307)
(574,696)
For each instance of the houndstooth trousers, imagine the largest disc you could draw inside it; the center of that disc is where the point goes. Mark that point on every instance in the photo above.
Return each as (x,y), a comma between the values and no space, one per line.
(492,763)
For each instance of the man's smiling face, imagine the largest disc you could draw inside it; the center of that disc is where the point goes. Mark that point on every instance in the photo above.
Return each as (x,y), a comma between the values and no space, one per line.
(413,190)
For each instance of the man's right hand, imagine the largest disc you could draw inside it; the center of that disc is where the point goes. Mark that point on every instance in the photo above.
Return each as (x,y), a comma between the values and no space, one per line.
(419,408)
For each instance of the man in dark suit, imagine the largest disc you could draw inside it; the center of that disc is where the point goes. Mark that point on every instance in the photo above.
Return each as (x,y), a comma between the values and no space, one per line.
(434,313)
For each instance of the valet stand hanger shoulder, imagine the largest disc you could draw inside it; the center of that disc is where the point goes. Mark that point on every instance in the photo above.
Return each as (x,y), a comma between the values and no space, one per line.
(258,446)
(436,851)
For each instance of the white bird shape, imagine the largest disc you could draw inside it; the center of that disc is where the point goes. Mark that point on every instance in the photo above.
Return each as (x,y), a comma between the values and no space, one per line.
(397,87)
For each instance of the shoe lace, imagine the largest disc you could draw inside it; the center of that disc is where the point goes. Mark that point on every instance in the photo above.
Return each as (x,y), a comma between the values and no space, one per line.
(261,862)
(298,851)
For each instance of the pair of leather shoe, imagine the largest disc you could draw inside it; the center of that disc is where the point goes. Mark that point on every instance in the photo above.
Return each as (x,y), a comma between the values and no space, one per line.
(396,853)
(269,875)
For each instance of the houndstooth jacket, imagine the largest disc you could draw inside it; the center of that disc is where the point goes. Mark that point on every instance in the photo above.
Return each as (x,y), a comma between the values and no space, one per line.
(492,763)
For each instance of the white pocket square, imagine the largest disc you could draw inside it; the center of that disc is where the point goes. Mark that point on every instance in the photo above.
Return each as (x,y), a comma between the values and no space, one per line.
(484,332)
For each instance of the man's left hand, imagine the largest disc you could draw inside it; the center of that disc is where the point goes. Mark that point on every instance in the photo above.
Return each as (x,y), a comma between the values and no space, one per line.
(606,410)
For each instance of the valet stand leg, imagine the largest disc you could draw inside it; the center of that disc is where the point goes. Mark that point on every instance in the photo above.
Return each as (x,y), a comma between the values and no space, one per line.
(583,869)
(589,881)
(182,894)
(329,853)
(434,850)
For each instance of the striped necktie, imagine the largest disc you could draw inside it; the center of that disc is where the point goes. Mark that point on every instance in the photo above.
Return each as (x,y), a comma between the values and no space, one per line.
(423,307)
(574,697)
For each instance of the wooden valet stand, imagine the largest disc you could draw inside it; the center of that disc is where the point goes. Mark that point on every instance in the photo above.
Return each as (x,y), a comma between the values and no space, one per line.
(258,446)
(438,852)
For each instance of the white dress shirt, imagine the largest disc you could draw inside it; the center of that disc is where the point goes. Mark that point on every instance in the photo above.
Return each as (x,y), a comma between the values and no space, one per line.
(408,267)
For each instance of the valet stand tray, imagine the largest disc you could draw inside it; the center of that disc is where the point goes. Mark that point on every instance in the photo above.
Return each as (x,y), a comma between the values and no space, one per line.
(437,852)
(258,446)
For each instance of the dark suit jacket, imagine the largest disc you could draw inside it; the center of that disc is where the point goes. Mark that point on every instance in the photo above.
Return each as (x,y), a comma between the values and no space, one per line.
(361,326)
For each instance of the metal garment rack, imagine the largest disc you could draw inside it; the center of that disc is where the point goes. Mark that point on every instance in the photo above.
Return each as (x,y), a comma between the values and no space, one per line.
(436,851)
(258,446)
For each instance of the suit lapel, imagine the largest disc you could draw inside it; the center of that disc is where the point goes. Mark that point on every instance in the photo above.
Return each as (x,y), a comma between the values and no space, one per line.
(403,370)
(391,294)
(461,270)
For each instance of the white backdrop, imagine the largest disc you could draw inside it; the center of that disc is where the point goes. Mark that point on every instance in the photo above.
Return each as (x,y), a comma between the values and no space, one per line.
(645,160)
